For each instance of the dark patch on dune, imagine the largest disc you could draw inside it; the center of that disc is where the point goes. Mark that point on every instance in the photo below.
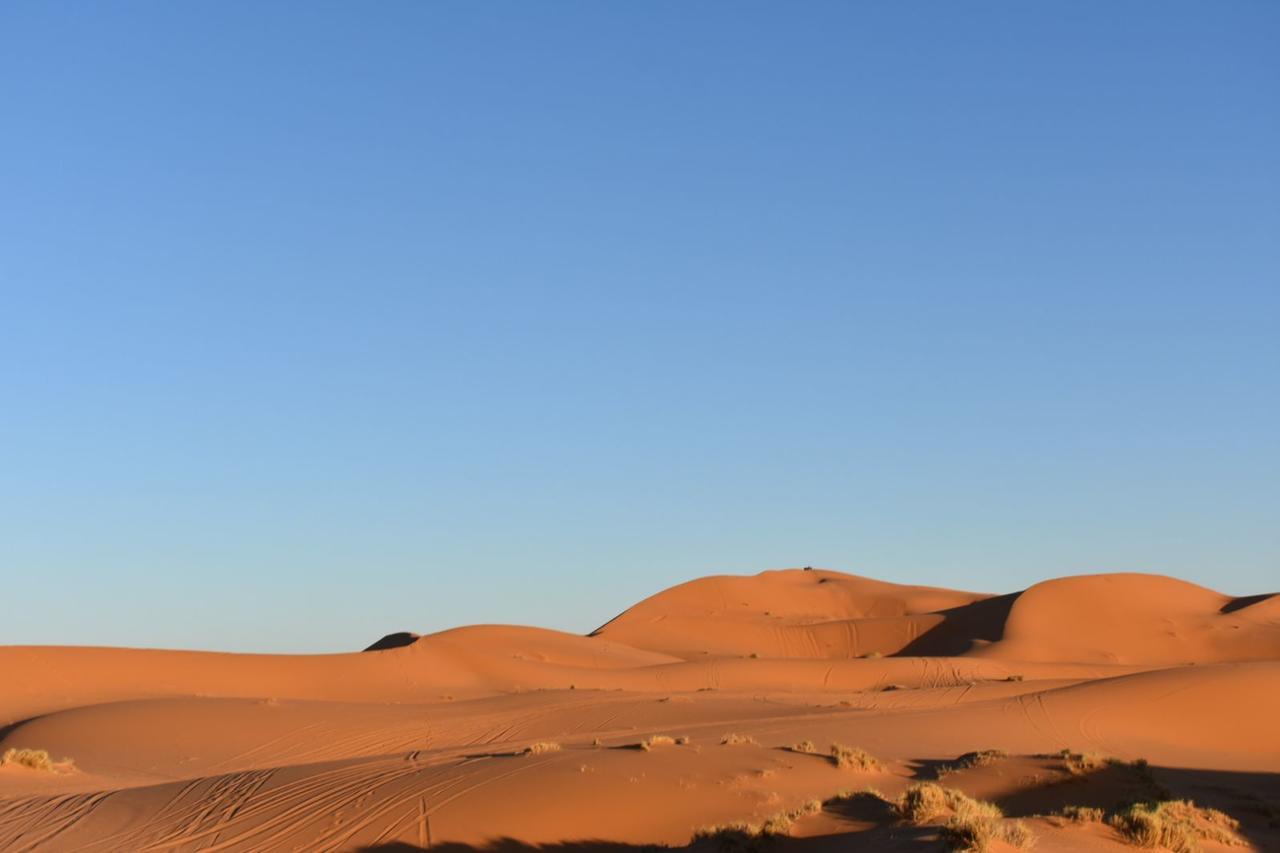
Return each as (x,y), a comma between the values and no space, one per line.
(394,641)
(961,626)
(1247,601)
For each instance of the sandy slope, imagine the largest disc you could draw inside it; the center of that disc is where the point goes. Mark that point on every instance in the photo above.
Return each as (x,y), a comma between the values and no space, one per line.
(420,743)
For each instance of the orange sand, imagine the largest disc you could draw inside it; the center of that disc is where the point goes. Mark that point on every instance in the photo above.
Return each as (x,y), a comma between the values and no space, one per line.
(419,744)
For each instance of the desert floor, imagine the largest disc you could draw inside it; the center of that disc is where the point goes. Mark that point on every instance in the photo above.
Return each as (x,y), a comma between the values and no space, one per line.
(1098,691)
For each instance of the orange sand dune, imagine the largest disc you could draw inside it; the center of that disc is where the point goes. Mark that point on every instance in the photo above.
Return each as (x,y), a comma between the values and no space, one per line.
(421,743)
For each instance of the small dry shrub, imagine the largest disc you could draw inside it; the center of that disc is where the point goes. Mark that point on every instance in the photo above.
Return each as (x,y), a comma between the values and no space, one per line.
(869,792)
(853,758)
(730,836)
(971,833)
(1017,833)
(1178,825)
(922,802)
(1081,814)
(925,801)
(541,747)
(33,759)
(1081,763)
(742,834)
(806,746)
(981,758)
(973,824)
(734,739)
(657,740)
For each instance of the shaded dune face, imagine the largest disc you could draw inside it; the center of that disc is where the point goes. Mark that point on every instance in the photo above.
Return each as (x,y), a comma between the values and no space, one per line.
(718,701)
(1118,618)
(1139,619)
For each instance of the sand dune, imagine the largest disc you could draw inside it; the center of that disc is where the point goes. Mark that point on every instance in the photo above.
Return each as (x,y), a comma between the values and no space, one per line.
(421,741)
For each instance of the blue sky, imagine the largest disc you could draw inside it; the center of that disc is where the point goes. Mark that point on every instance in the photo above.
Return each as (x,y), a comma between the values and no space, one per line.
(321,321)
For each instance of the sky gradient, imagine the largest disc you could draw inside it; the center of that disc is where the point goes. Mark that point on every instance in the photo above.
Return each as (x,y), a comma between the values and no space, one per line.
(321,321)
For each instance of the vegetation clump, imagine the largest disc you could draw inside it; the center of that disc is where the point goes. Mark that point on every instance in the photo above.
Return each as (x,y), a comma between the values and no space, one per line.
(977,832)
(33,760)
(1178,825)
(1081,814)
(734,739)
(981,758)
(742,834)
(662,740)
(851,757)
(805,746)
(1082,763)
(971,824)
(541,747)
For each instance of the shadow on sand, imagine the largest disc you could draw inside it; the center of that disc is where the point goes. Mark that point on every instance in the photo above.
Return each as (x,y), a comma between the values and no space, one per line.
(1251,798)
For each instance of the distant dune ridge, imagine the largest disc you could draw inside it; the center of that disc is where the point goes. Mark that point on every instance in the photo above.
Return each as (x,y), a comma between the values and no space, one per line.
(487,732)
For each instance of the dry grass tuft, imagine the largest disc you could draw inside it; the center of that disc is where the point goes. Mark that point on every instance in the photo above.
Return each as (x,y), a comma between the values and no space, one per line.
(1178,825)
(971,824)
(852,757)
(976,833)
(922,802)
(926,801)
(661,740)
(734,739)
(742,834)
(1081,814)
(981,758)
(1082,763)
(730,836)
(33,759)
(541,747)
(805,746)
(868,792)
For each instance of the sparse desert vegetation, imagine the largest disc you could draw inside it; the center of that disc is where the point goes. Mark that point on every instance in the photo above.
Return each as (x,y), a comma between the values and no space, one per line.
(970,824)
(32,759)
(662,740)
(735,739)
(980,758)
(853,758)
(541,747)
(1081,814)
(742,833)
(1178,825)
(975,832)
(805,746)
(1082,763)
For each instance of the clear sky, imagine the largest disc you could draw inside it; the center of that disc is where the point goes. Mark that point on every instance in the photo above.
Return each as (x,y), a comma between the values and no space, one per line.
(320,321)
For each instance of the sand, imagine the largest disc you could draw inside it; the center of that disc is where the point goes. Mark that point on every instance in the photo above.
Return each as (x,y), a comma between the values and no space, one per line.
(1169,691)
